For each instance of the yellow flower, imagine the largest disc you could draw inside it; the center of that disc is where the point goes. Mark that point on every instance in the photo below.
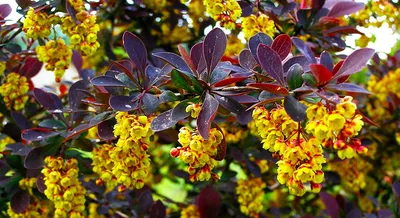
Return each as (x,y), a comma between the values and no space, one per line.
(225,11)
(2,67)
(14,91)
(57,56)
(38,24)
(78,5)
(103,165)
(194,110)
(250,195)
(234,46)
(252,25)
(191,211)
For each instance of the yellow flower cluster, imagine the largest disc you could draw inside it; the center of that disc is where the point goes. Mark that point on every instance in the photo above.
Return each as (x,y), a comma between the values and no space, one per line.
(14,91)
(63,187)
(38,24)
(382,88)
(57,56)
(4,142)
(225,11)
(263,165)
(194,109)
(300,160)
(127,162)
(36,207)
(2,67)
(252,25)
(234,47)
(191,211)
(233,134)
(250,196)
(197,13)
(375,10)
(78,5)
(336,128)
(198,153)
(83,36)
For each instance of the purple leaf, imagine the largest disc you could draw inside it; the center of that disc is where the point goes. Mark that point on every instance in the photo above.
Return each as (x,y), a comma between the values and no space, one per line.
(326,60)
(301,60)
(154,75)
(396,188)
(21,120)
(77,60)
(20,201)
(40,183)
(145,202)
(176,61)
(343,30)
(354,213)
(163,121)
(158,210)
(136,50)
(246,59)
(196,54)
(206,115)
(245,99)
(75,97)
(295,109)
(34,159)
(345,8)
(106,130)
(5,10)
(37,134)
(282,45)
(31,67)
(230,104)
(355,62)
(247,8)
(209,202)
(150,102)
(214,46)
(256,40)
(347,87)
(331,204)
(106,81)
(48,100)
(384,213)
(270,62)
(304,49)
(126,68)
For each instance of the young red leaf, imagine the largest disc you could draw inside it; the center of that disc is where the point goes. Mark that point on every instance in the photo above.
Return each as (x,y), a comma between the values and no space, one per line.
(270,62)
(214,46)
(31,67)
(269,87)
(207,115)
(322,74)
(136,50)
(228,81)
(282,45)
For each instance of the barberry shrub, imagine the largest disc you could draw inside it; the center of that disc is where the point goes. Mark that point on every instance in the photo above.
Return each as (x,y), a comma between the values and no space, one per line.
(198,108)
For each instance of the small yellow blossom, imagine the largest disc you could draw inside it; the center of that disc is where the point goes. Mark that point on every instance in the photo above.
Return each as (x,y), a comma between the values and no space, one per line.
(252,25)
(14,91)
(191,211)
(38,24)
(194,110)
(250,196)
(225,11)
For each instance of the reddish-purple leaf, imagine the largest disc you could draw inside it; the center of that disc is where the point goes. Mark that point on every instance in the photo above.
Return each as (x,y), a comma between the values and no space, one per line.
(326,60)
(31,67)
(77,60)
(209,202)
(304,49)
(295,109)
(317,4)
(163,121)
(330,203)
(145,202)
(75,97)
(245,99)
(34,159)
(301,60)
(37,134)
(256,40)
(355,62)
(269,87)
(21,120)
(5,10)
(206,115)
(158,210)
(230,104)
(396,188)
(347,87)
(246,59)
(282,45)
(342,30)
(126,70)
(20,201)
(107,81)
(337,67)
(196,54)
(40,183)
(48,100)
(176,61)
(345,8)
(228,81)
(136,50)
(186,57)
(322,74)
(214,46)
(106,130)
(270,62)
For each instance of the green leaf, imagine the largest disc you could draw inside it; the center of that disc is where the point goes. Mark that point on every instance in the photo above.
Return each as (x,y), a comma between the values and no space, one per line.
(180,81)
(294,76)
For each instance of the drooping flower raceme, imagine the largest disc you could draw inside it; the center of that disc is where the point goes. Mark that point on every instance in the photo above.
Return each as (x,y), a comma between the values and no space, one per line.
(250,196)
(198,153)
(63,187)
(103,165)
(38,24)
(56,55)
(225,11)
(14,91)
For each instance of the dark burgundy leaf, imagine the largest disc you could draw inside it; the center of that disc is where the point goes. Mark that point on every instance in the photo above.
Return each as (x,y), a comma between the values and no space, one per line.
(228,81)
(40,183)
(288,8)
(126,68)
(209,202)
(335,42)
(326,60)
(179,111)
(77,60)
(123,103)
(301,60)
(196,53)
(245,99)
(154,75)
(246,59)
(206,115)
(136,50)
(295,109)
(133,84)
(145,202)
(186,57)
(230,67)
(342,30)
(345,8)
(21,120)
(355,62)
(347,87)
(294,77)
(245,118)
(176,61)
(317,4)
(330,203)
(253,167)
(5,10)
(20,201)
(304,49)
(37,134)
(150,102)
(396,188)
(282,45)
(107,81)
(158,210)
(31,67)
(230,104)
(106,130)
(256,40)
(34,159)
(218,74)
(247,8)
(71,11)
(47,99)
(270,62)
(269,87)
(75,97)
(322,74)
(214,46)
(52,124)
